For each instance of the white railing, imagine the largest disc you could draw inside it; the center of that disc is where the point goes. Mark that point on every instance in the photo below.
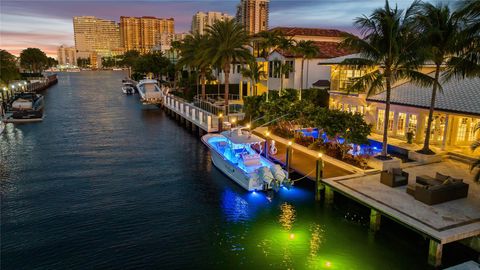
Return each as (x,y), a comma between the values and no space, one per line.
(203,119)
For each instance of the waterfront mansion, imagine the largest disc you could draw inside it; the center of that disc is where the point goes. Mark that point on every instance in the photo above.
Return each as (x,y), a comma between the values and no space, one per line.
(457,108)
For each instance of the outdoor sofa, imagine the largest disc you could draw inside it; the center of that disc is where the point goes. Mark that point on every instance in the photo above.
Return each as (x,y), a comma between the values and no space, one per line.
(440,189)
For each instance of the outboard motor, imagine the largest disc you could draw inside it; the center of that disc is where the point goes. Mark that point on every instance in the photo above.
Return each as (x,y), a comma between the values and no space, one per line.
(265,175)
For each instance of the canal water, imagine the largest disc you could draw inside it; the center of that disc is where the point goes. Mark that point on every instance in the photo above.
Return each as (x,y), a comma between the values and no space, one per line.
(101,183)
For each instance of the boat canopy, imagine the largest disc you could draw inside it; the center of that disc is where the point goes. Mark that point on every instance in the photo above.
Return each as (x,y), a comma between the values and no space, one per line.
(239,136)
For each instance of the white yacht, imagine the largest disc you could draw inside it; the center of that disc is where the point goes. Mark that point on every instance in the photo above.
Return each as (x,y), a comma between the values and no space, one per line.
(233,154)
(150,94)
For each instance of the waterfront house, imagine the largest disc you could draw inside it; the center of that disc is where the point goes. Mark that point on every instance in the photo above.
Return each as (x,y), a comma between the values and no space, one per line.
(457,107)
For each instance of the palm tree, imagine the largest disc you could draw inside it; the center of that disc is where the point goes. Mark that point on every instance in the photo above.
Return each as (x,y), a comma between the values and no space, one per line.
(308,50)
(439,30)
(389,53)
(282,69)
(227,44)
(466,61)
(191,52)
(254,73)
(267,40)
(285,44)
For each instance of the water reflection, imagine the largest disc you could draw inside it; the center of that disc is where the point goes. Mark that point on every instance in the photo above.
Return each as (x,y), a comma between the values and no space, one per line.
(235,207)
(287,217)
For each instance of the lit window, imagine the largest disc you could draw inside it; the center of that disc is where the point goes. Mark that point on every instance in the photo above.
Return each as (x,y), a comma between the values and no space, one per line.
(380,119)
(361,110)
(412,123)
(390,121)
(472,134)
(401,121)
(462,129)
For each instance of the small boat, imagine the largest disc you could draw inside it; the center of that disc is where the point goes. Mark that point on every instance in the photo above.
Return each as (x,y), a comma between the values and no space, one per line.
(26,106)
(233,154)
(150,94)
(128,89)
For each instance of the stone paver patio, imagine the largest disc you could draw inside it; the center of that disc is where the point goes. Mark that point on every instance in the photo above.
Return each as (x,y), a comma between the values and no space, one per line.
(445,222)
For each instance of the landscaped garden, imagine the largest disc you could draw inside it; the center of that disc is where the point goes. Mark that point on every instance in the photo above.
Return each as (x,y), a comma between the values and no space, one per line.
(310,123)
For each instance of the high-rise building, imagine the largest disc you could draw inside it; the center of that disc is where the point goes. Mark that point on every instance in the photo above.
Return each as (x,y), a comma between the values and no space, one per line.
(97,35)
(253,15)
(202,20)
(67,56)
(144,33)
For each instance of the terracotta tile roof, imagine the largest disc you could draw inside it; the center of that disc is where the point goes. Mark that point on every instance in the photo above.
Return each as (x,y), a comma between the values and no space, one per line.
(459,95)
(325,50)
(298,31)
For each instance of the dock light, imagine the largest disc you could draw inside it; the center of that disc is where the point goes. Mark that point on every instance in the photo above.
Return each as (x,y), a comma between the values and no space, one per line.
(320,155)
(268,133)
(25,83)
(4,88)
(220,115)
(234,120)
(13,86)
(248,125)
(290,143)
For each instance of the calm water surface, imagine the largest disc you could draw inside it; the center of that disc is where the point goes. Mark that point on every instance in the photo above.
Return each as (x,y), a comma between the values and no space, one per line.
(100,183)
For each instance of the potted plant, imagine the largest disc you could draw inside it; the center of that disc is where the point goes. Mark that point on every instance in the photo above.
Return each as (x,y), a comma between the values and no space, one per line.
(409,136)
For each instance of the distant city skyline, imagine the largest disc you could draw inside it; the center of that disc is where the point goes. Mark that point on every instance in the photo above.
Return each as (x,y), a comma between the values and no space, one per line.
(47,25)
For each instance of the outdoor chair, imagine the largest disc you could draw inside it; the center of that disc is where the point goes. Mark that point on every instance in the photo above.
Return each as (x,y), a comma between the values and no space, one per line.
(394,178)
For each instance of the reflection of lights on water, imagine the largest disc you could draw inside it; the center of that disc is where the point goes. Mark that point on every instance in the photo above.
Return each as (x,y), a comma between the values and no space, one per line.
(287,216)
(235,207)
(316,240)
(328,264)
(292,236)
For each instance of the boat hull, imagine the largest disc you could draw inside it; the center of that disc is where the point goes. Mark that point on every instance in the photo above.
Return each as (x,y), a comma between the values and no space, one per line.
(242,178)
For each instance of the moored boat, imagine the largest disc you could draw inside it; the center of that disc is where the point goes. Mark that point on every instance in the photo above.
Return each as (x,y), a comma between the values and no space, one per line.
(26,106)
(233,154)
(150,93)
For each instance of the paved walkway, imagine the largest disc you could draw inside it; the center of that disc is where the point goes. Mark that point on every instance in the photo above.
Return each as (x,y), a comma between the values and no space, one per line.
(462,150)
(305,163)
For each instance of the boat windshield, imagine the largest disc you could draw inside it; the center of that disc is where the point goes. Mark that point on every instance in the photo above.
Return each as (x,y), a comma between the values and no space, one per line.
(241,155)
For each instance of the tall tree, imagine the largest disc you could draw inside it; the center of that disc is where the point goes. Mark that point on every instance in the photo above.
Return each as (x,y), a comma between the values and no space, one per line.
(308,50)
(266,41)
(439,32)
(8,67)
(227,44)
(466,61)
(254,73)
(282,68)
(284,44)
(33,60)
(192,55)
(389,51)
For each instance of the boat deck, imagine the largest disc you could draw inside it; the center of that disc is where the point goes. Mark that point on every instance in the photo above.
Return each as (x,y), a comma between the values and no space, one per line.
(217,144)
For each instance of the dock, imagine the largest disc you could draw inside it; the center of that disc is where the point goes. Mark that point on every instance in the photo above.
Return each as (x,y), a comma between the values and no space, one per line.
(198,119)
(452,221)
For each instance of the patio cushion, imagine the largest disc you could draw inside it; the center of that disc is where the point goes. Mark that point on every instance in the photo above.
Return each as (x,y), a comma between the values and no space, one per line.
(441,177)
(397,171)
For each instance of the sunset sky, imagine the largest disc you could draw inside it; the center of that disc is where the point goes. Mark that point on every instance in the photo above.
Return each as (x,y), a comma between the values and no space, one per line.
(48,24)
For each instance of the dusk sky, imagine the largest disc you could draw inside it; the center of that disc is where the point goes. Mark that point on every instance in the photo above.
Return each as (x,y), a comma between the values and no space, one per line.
(48,24)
